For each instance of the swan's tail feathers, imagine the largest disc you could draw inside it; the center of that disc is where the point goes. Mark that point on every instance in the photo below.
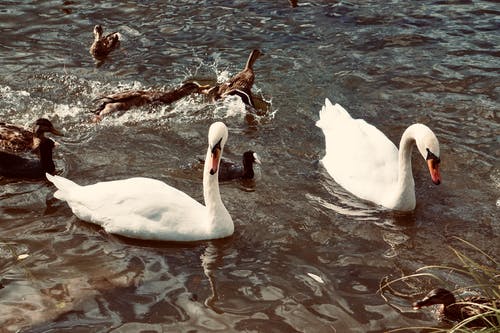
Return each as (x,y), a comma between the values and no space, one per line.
(329,114)
(64,186)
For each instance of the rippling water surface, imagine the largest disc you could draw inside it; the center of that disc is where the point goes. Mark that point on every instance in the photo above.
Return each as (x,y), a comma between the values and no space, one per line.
(306,256)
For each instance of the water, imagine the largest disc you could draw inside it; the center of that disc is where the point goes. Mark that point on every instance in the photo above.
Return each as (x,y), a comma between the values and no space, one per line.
(306,256)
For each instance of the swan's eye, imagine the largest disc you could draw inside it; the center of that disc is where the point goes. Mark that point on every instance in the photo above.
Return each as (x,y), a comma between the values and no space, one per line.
(431,156)
(217,146)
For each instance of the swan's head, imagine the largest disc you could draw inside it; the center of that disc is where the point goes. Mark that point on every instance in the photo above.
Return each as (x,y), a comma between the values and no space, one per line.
(428,146)
(217,138)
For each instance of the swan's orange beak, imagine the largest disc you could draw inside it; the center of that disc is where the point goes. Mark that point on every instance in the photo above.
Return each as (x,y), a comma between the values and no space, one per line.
(434,170)
(215,160)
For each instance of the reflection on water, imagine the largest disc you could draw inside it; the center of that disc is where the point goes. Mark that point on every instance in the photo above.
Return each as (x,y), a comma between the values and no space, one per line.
(306,255)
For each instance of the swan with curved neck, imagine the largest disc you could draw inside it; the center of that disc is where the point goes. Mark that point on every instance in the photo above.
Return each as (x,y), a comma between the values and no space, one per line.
(147,208)
(365,162)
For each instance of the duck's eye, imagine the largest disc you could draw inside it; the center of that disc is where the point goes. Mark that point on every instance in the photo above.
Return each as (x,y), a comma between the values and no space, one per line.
(431,156)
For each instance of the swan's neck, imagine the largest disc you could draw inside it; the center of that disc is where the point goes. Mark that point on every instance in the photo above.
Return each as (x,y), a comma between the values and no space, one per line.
(406,184)
(219,218)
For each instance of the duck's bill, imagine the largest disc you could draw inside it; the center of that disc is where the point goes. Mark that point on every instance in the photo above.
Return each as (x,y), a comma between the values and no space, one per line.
(416,305)
(257,158)
(215,158)
(434,170)
(56,132)
(426,301)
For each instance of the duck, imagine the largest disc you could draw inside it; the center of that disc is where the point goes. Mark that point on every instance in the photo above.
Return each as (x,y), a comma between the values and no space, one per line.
(361,159)
(230,170)
(126,100)
(16,139)
(467,307)
(149,209)
(239,85)
(15,166)
(103,45)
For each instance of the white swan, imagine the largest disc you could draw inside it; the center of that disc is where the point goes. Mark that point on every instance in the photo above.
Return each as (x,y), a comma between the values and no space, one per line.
(365,162)
(146,208)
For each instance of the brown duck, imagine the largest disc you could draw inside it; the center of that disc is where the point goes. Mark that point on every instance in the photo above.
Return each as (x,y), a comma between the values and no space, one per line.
(452,311)
(16,139)
(240,84)
(102,45)
(123,101)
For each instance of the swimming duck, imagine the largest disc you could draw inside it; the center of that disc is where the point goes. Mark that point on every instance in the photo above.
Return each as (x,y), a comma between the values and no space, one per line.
(365,162)
(17,139)
(123,101)
(240,84)
(147,208)
(452,311)
(14,166)
(103,45)
(230,170)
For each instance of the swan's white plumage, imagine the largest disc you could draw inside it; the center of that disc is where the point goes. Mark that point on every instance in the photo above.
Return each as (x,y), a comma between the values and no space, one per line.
(365,162)
(147,208)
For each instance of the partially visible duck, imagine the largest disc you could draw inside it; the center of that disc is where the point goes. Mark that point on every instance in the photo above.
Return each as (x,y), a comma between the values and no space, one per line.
(365,162)
(17,139)
(229,170)
(123,101)
(14,166)
(240,84)
(466,308)
(103,45)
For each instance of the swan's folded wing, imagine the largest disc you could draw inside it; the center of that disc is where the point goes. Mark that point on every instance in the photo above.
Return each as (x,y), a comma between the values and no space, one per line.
(357,155)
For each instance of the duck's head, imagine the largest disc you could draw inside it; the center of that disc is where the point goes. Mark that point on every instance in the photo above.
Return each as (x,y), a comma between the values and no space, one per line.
(428,146)
(44,125)
(98,31)
(250,157)
(217,138)
(436,296)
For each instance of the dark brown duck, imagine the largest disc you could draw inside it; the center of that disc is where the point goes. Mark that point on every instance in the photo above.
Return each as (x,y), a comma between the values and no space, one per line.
(125,100)
(466,308)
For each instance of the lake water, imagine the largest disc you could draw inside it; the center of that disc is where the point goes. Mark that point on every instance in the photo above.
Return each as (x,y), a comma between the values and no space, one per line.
(306,256)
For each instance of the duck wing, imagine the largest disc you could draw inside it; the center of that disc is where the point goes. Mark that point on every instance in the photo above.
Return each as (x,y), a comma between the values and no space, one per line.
(126,99)
(229,170)
(15,139)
